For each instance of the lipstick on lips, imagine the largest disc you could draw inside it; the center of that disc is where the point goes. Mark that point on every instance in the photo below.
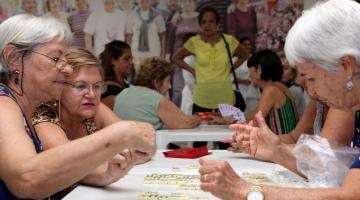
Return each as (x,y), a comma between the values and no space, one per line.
(89,104)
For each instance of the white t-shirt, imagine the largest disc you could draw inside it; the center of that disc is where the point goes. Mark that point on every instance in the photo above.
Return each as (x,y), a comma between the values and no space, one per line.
(242,72)
(105,27)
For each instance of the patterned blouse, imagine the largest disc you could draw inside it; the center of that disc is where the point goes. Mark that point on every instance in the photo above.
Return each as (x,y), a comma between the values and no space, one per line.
(47,113)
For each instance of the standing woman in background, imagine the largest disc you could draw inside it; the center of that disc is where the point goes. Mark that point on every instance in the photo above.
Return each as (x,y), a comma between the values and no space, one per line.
(117,62)
(212,65)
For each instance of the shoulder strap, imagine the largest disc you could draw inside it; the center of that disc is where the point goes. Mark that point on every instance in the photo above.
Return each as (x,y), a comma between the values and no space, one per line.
(230,59)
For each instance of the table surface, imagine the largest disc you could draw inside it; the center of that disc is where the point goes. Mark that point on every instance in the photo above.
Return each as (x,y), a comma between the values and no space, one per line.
(201,133)
(132,185)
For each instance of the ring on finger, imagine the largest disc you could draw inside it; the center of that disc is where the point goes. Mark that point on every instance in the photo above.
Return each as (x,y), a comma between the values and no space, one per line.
(205,177)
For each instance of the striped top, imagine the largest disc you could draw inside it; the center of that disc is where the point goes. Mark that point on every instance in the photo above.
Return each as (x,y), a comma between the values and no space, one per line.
(77,22)
(283,120)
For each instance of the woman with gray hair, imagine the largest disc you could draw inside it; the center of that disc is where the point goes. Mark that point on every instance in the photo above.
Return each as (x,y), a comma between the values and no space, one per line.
(33,70)
(324,45)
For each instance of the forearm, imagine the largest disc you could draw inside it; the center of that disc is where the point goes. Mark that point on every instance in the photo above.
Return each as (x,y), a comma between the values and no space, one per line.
(184,65)
(283,156)
(186,122)
(278,193)
(89,42)
(287,139)
(243,81)
(163,43)
(97,177)
(66,164)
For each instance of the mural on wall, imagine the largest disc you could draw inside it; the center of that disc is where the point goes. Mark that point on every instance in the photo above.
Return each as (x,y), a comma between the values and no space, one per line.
(152,26)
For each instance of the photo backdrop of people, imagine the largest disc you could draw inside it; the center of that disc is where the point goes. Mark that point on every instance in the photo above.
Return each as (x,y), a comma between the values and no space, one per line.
(150,26)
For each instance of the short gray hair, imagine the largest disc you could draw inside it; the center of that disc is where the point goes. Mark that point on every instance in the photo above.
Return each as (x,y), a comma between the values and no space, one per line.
(324,34)
(27,32)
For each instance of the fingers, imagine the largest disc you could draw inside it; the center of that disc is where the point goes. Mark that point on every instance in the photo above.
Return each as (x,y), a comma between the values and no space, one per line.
(237,127)
(228,140)
(211,166)
(120,161)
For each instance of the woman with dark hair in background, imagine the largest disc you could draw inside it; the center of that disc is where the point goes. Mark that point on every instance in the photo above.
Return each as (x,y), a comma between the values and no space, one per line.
(117,62)
(276,101)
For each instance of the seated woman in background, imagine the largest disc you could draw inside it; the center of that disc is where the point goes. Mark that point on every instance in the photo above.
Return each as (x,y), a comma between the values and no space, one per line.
(80,113)
(117,62)
(288,79)
(146,100)
(276,101)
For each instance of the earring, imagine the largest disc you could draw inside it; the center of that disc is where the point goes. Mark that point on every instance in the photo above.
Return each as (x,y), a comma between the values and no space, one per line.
(349,83)
(16,72)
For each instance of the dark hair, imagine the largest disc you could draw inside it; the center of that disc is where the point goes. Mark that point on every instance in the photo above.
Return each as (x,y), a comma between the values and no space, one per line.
(113,50)
(270,64)
(209,9)
(243,39)
(151,70)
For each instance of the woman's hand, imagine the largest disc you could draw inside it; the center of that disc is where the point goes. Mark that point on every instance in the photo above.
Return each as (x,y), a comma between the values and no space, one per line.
(255,139)
(218,178)
(142,137)
(120,165)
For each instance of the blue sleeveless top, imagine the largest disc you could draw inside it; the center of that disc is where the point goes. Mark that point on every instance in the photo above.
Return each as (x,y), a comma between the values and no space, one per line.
(356,139)
(5,194)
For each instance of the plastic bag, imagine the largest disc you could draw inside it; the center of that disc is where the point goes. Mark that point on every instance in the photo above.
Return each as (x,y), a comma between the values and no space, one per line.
(323,162)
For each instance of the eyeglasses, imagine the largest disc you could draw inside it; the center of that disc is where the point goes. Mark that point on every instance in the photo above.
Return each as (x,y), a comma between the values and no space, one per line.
(82,87)
(59,63)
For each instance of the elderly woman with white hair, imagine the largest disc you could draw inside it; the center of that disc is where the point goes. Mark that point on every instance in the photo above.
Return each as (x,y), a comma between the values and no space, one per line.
(33,70)
(324,45)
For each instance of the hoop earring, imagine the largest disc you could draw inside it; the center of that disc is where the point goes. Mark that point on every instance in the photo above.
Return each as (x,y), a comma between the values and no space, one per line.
(16,72)
(349,83)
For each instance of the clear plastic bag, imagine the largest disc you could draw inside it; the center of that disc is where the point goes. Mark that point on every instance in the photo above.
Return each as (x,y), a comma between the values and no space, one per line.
(323,162)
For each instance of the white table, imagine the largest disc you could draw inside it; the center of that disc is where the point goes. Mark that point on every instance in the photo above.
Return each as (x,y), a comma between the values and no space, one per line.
(201,133)
(130,186)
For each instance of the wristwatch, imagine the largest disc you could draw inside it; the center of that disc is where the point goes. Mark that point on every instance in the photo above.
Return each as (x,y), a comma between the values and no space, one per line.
(255,193)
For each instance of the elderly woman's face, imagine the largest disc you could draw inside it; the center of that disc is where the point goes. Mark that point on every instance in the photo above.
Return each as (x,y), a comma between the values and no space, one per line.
(43,71)
(326,86)
(82,93)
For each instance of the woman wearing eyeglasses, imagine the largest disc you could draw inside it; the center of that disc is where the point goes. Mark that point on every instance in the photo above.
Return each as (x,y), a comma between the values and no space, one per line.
(33,69)
(79,113)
